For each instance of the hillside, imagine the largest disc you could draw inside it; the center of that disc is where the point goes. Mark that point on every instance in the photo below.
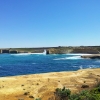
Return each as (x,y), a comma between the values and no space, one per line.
(29,87)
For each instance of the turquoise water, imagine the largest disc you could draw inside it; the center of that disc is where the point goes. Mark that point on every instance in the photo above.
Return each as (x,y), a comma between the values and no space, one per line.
(22,64)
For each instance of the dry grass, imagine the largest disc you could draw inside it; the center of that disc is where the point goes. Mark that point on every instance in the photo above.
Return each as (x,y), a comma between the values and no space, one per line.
(28,87)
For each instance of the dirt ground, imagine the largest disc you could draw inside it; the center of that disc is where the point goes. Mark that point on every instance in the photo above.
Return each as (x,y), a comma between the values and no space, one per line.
(30,87)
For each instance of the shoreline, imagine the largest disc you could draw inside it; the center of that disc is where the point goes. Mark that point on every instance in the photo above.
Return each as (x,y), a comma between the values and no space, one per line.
(46,73)
(43,85)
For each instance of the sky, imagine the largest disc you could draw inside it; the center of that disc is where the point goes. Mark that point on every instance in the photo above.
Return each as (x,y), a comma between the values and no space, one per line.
(49,23)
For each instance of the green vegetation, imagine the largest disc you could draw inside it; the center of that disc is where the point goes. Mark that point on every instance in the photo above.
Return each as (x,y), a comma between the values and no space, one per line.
(62,94)
(83,95)
(38,99)
(65,94)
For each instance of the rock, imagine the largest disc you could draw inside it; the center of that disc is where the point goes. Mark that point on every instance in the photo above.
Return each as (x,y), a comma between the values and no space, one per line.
(93,56)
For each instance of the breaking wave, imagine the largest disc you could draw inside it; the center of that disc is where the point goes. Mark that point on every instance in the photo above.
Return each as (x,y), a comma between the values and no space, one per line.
(25,54)
(74,57)
(71,58)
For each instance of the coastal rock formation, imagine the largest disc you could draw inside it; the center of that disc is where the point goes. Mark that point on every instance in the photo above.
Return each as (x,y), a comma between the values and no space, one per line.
(60,50)
(4,51)
(14,51)
(93,56)
(55,50)
(85,50)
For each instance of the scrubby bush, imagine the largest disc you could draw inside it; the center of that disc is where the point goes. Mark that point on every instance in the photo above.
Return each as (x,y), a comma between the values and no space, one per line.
(38,99)
(65,94)
(94,94)
(96,90)
(62,94)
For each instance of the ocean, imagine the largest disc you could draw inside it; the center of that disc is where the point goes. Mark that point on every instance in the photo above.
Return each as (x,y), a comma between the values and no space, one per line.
(28,63)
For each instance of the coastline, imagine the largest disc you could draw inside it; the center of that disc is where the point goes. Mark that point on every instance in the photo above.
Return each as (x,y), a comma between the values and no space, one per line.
(43,85)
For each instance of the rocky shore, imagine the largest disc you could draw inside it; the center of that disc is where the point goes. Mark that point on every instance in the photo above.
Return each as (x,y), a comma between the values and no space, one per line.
(92,56)
(30,87)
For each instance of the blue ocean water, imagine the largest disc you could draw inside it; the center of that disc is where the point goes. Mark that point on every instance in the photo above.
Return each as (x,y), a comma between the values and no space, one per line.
(22,64)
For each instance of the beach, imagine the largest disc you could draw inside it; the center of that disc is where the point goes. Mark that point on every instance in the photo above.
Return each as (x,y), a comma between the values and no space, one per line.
(30,87)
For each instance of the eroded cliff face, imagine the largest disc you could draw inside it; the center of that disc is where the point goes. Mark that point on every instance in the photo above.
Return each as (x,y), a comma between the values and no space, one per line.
(54,50)
(61,50)
(64,50)
(85,50)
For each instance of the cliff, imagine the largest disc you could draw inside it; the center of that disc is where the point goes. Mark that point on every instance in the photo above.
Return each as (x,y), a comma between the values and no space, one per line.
(54,50)
(85,50)
(93,56)
(64,50)
(60,50)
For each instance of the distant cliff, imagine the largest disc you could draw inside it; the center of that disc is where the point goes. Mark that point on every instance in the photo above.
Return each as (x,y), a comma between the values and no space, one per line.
(54,50)
(63,50)
(85,50)
(60,50)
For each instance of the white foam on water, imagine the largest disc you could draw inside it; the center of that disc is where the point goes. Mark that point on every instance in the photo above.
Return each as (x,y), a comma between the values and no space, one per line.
(33,63)
(20,54)
(44,52)
(98,61)
(71,58)
(54,54)
(80,67)
(93,66)
(78,54)
(24,54)
(75,66)
(74,57)
(60,59)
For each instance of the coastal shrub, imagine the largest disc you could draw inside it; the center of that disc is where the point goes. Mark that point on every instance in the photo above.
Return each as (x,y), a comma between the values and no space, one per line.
(86,95)
(96,90)
(20,99)
(37,84)
(65,94)
(83,95)
(62,94)
(38,99)
(31,96)
(74,97)
(97,84)
(85,86)
(22,85)
(26,93)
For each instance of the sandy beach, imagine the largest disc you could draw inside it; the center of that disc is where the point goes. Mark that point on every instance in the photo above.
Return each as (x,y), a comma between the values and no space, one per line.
(30,87)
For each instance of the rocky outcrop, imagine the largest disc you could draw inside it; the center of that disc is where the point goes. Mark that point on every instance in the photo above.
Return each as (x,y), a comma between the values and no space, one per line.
(4,51)
(94,56)
(60,50)
(13,51)
(85,50)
